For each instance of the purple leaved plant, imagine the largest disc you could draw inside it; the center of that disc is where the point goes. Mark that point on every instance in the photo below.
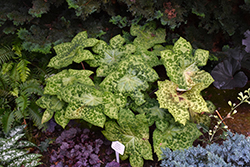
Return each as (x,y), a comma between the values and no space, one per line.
(77,148)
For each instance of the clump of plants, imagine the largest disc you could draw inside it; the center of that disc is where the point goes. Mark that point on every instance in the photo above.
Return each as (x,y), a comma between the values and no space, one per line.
(77,148)
(116,98)
(13,151)
(234,151)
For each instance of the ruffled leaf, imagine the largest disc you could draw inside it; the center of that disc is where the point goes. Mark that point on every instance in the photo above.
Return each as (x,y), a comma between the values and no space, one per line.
(226,75)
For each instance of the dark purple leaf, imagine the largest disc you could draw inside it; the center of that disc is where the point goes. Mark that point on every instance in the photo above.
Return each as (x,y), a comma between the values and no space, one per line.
(113,164)
(51,125)
(64,146)
(60,164)
(94,159)
(226,75)
(109,151)
(246,41)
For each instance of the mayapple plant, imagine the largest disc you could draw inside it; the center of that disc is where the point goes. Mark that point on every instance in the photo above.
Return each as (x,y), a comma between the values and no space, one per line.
(119,103)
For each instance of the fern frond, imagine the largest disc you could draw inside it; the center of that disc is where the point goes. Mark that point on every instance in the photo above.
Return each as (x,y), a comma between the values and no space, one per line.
(23,70)
(14,74)
(6,54)
(35,115)
(22,102)
(4,81)
(31,86)
(7,120)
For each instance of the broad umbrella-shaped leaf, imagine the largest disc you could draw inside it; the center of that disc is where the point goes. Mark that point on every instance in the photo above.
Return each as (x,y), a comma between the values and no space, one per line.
(133,132)
(109,56)
(73,51)
(130,78)
(182,66)
(176,136)
(227,75)
(180,104)
(66,77)
(147,37)
(90,104)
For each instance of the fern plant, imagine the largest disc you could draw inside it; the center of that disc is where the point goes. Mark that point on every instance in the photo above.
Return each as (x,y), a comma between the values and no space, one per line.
(12,153)
(128,73)
(17,90)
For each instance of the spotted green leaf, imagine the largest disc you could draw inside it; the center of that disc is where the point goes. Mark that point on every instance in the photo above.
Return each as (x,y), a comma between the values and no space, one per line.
(182,66)
(66,77)
(133,132)
(154,114)
(90,104)
(51,104)
(73,51)
(109,56)
(180,104)
(147,37)
(176,136)
(131,78)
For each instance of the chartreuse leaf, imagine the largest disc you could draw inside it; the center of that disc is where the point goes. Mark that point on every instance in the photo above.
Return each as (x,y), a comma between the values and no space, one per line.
(131,78)
(182,66)
(90,104)
(176,136)
(66,77)
(133,132)
(73,51)
(179,105)
(154,114)
(52,105)
(147,37)
(109,56)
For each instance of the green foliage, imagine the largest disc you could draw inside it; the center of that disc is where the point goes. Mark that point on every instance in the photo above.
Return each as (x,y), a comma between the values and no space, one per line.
(17,91)
(12,152)
(128,74)
(133,132)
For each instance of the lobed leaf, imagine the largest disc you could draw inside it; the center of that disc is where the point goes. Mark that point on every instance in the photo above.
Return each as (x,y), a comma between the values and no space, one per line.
(182,66)
(73,51)
(176,136)
(131,78)
(109,56)
(133,132)
(180,104)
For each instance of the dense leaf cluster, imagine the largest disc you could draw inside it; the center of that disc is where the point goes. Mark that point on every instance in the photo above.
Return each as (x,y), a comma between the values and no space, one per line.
(77,149)
(234,151)
(12,152)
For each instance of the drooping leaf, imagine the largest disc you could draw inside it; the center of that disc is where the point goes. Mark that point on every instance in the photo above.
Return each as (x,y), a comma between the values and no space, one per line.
(109,56)
(182,66)
(176,136)
(7,120)
(73,51)
(131,78)
(180,104)
(133,132)
(227,75)
(23,70)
